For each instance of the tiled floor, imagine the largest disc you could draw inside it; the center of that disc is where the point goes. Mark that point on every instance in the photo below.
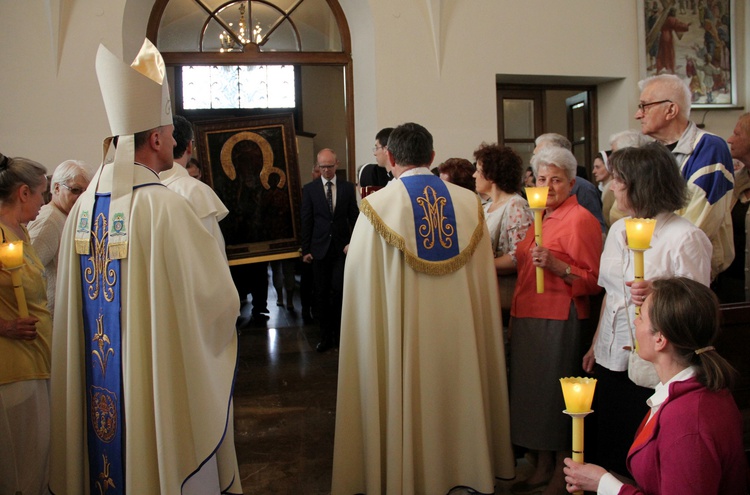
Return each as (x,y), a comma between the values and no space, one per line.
(285,403)
(284,408)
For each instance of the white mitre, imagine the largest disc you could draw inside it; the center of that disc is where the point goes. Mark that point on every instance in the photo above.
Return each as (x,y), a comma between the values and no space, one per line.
(136,98)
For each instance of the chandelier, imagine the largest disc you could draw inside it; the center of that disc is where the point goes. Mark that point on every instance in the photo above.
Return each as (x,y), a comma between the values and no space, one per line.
(229,43)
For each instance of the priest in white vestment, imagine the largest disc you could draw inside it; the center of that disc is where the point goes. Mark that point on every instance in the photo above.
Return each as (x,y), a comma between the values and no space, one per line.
(422,393)
(202,199)
(144,350)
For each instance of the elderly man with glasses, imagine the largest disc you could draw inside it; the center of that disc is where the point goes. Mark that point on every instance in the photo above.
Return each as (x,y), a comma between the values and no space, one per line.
(69,180)
(704,160)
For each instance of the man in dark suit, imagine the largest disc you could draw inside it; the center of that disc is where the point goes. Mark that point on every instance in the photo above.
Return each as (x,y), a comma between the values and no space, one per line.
(329,211)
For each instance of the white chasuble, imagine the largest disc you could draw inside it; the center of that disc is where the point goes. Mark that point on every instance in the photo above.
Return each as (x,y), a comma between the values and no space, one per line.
(422,393)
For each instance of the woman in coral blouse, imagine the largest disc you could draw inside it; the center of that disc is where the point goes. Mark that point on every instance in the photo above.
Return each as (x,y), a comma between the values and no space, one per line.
(546,328)
(690,442)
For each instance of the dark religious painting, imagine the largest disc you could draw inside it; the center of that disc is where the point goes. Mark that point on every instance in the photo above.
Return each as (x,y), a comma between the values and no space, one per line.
(251,163)
(693,39)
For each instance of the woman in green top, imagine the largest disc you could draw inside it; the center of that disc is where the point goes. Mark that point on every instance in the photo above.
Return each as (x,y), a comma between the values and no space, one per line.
(24,341)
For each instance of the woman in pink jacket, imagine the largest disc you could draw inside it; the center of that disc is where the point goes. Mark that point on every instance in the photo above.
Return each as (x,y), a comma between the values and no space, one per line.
(691,440)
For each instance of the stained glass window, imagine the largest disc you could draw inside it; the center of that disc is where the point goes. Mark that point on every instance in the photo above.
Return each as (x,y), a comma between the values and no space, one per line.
(238,86)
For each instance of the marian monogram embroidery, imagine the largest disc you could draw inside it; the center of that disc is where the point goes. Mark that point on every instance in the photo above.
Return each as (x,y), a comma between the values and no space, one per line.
(436,226)
(101,340)
(99,269)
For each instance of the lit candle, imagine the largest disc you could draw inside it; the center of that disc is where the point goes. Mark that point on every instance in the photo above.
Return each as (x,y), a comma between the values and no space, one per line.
(537,198)
(578,394)
(639,232)
(11,256)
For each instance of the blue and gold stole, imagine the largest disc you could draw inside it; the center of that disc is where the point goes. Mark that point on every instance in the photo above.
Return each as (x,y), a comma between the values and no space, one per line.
(100,278)
(433,246)
(434,218)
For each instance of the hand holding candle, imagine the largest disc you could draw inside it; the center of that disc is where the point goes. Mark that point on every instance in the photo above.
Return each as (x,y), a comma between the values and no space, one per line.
(537,198)
(11,256)
(639,232)
(578,394)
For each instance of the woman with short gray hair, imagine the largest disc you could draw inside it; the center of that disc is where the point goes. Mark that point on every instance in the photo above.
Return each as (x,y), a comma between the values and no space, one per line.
(69,180)
(546,328)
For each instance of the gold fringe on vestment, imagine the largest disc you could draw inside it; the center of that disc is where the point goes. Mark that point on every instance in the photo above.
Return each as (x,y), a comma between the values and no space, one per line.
(82,246)
(435,268)
(118,250)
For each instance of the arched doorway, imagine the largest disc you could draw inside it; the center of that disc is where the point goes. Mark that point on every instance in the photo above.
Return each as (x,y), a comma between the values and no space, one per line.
(311,35)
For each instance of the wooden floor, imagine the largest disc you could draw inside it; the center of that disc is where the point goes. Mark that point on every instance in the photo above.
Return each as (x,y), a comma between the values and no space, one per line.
(285,404)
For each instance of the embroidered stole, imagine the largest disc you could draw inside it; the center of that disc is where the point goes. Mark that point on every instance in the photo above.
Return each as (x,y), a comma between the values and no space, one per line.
(434,218)
(100,276)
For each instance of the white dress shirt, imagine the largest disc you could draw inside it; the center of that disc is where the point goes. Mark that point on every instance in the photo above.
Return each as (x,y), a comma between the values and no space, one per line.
(678,248)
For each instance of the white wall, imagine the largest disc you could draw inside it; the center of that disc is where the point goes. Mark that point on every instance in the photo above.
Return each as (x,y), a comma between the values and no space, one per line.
(433,62)
(323,109)
(453,93)
(50,105)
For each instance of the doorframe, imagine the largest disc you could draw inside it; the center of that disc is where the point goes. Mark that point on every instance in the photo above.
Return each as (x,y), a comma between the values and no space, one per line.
(503,88)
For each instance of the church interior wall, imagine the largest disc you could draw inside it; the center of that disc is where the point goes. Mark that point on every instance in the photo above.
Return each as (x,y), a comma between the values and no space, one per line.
(414,60)
(323,110)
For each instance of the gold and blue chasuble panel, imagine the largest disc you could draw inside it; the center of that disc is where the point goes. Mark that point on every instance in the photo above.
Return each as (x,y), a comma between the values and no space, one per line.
(100,278)
(434,218)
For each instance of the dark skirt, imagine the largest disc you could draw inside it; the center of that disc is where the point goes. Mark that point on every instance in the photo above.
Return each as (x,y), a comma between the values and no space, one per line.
(620,406)
(541,352)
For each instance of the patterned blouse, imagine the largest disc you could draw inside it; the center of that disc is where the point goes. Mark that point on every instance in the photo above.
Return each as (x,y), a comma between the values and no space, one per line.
(508,225)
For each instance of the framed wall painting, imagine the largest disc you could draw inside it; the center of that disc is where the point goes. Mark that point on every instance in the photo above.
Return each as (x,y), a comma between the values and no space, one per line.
(695,40)
(251,163)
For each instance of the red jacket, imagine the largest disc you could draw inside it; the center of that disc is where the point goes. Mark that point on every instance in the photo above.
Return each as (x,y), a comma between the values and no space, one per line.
(693,445)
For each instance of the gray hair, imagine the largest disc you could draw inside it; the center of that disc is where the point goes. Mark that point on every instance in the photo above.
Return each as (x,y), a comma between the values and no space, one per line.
(556,157)
(15,172)
(672,88)
(629,138)
(744,121)
(554,139)
(69,170)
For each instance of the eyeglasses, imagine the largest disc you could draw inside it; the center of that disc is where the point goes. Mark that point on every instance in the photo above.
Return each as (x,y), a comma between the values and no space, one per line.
(326,167)
(74,190)
(378,147)
(643,106)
